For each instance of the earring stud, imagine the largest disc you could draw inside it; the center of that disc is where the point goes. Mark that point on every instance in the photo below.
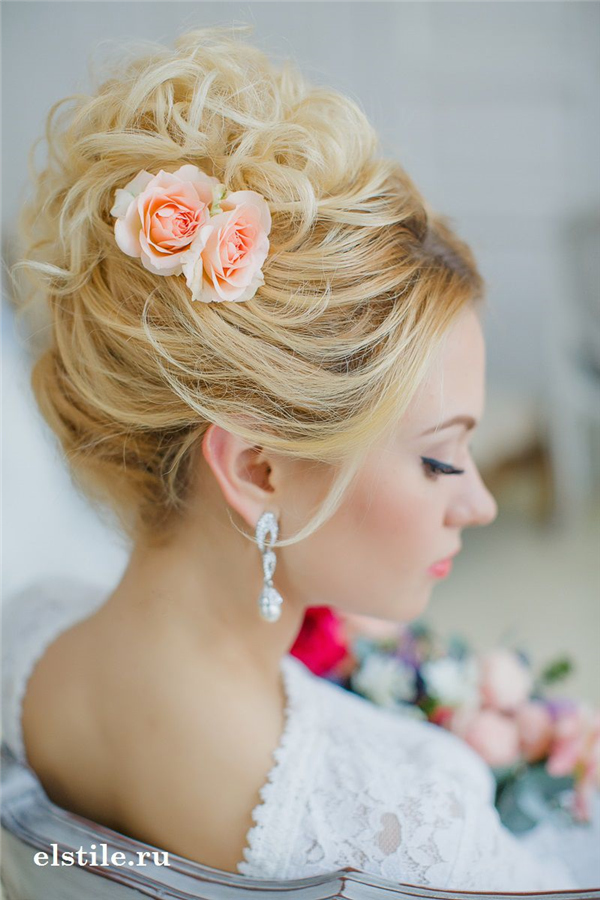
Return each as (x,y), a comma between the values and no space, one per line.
(270,601)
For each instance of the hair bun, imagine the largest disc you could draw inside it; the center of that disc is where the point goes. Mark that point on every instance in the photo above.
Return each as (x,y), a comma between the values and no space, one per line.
(358,285)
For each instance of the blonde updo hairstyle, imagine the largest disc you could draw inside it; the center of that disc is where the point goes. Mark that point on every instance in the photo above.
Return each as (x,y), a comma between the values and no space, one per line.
(361,282)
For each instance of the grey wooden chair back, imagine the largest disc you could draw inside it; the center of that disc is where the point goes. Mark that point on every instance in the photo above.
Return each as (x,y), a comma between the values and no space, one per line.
(31,823)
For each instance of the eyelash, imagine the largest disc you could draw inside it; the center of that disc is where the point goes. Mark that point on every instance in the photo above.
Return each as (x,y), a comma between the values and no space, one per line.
(434,467)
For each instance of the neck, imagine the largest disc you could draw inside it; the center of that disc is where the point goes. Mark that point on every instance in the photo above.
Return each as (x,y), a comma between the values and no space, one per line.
(197,599)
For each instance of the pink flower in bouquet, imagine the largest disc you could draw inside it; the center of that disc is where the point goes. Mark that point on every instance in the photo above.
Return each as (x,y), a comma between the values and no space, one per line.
(587,782)
(320,643)
(536,730)
(576,751)
(492,734)
(572,731)
(505,680)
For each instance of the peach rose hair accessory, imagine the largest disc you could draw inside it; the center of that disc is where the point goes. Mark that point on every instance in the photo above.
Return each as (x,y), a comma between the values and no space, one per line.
(187,223)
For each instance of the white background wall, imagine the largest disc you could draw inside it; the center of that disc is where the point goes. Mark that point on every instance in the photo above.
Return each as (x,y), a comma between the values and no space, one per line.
(492,107)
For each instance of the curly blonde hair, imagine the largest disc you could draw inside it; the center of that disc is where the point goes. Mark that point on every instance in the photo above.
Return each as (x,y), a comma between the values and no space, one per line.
(361,282)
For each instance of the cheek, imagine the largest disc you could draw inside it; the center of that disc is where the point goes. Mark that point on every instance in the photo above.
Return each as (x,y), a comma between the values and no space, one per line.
(392,519)
(372,556)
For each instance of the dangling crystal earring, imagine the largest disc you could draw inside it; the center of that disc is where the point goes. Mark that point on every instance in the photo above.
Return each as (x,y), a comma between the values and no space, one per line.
(270,601)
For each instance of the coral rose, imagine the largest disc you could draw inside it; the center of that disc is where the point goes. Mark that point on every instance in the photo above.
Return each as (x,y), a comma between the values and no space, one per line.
(236,248)
(505,680)
(576,740)
(165,219)
(576,751)
(536,729)
(493,735)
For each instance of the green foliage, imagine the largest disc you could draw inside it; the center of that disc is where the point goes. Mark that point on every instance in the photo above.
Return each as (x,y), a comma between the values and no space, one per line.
(556,671)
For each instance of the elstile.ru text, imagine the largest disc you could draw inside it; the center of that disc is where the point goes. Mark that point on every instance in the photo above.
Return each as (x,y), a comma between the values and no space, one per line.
(98,855)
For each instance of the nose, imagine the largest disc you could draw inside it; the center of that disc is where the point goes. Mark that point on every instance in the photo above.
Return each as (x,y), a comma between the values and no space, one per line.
(473,505)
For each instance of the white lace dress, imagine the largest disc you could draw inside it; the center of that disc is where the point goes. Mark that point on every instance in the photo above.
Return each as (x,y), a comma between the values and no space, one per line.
(351,784)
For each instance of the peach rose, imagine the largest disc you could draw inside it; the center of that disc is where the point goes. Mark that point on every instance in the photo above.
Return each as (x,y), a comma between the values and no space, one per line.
(230,264)
(576,740)
(165,219)
(576,751)
(536,730)
(492,734)
(588,777)
(505,680)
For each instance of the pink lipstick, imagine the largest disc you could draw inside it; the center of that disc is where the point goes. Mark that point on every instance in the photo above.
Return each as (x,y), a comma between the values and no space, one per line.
(441,569)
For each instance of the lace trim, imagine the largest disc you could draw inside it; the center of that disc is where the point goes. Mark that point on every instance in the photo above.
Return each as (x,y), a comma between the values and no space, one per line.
(285,789)
(32,620)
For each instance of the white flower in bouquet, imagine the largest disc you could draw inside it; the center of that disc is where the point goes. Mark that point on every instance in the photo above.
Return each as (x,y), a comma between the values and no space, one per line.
(453,682)
(385,680)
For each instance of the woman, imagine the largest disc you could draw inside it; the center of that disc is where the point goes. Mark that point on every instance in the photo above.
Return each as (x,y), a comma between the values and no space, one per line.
(266,359)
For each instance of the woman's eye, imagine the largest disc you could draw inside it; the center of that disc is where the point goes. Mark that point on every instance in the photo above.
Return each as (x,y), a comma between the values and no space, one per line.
(435,467)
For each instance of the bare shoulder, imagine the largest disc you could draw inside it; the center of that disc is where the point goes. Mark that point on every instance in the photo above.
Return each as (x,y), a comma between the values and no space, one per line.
(170,755)
(60,732)
(192,788)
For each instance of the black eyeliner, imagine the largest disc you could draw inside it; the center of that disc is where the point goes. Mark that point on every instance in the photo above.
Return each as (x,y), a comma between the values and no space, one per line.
(440,467)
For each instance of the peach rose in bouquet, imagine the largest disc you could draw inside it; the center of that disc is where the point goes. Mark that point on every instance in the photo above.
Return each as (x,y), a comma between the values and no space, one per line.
(492,734)
(575,751)
(536,730)
(506,680)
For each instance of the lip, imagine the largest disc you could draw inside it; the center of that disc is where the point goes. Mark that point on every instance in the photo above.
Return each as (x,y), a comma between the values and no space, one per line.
(443,567)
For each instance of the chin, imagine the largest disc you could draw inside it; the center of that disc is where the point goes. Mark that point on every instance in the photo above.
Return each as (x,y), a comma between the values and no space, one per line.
(416,608)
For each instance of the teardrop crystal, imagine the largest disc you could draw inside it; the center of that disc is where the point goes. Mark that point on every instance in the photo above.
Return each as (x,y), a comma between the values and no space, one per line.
(270,603)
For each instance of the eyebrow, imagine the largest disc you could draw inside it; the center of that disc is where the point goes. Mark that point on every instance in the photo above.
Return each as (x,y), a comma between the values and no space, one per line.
(468,421)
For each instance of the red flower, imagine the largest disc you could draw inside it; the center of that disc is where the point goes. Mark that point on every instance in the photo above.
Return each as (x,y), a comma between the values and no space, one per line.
(321,642)
(442,715)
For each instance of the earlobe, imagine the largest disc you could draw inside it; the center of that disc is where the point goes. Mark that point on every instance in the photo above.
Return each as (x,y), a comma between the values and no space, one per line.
(240,470)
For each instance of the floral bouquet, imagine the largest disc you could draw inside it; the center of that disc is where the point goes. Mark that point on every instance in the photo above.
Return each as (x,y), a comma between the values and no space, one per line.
(543,750)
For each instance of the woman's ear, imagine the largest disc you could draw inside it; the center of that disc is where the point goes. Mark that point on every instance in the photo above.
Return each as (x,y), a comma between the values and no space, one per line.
(242,471)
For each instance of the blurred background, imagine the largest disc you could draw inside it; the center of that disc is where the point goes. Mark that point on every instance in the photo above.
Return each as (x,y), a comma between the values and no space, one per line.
(494,110)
